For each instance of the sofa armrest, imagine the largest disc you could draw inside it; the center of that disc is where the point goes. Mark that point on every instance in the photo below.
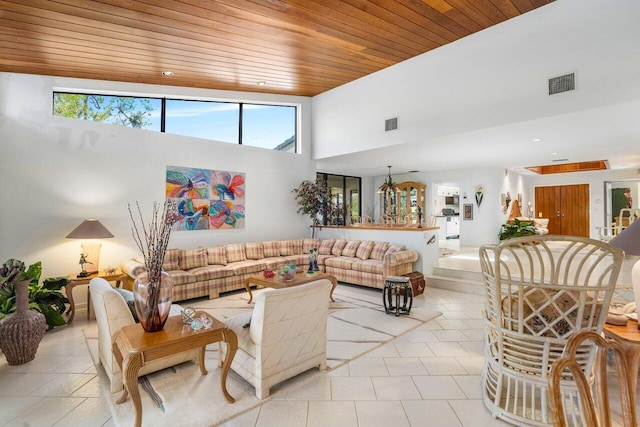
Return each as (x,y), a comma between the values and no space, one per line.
(132,267)
(401,257)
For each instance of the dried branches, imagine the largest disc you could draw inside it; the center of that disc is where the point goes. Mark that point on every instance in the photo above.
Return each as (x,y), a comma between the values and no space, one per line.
(154,239)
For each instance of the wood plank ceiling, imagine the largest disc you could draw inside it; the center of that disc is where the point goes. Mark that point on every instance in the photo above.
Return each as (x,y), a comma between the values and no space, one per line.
(296,47)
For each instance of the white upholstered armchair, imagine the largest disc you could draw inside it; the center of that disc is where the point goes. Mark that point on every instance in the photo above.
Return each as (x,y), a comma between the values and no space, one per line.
(112,314)
(540,291)
(287,335)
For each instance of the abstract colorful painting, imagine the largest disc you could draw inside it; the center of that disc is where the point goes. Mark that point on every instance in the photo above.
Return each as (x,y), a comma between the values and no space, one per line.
(206,199)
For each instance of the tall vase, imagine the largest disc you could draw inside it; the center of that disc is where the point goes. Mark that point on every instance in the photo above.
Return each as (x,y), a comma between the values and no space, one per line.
(153,300)
(22,331)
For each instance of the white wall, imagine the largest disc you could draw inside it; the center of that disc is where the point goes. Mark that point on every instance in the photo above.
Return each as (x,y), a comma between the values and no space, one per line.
(56,172)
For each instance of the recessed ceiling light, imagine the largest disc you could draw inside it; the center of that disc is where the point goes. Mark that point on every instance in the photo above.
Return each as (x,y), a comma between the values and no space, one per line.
(262,83)
(167,73)
(553,154)
(536,140)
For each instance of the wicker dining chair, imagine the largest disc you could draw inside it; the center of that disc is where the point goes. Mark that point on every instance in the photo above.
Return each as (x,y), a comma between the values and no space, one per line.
(540,291)
(592,394)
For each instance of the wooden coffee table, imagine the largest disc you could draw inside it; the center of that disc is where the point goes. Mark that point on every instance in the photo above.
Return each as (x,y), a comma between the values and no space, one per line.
(133,348)
(276,283)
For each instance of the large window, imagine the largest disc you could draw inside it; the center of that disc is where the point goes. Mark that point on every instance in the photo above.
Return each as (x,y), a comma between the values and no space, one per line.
(269,126)
(345,199)
(203,119)
(273,127)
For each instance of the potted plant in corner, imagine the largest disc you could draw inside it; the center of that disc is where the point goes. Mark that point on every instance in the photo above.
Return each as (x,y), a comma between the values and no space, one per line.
(517,229)
(313,198)
(26,308)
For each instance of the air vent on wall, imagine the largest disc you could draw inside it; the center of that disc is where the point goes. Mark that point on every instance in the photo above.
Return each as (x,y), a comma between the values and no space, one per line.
(562,83)
(391,124)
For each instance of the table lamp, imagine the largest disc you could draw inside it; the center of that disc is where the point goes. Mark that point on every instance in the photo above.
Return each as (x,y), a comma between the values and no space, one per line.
(629,241)
(90,230)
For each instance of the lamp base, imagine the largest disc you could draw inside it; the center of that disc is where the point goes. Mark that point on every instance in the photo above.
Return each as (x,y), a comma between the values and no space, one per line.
(83,274)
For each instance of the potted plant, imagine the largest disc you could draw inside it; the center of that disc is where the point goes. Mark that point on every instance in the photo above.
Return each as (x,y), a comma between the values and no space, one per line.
(517,229)
(45,298)
(314,199)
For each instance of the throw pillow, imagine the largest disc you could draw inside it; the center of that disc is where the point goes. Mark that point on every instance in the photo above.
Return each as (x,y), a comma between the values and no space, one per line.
(350,248)
(378,251)
(364,250)
(254,250)
(271,249)
(193,258)
(217,256)
(308,244)
(325,247)
(338,246)
(393,248)
(128,298)
(287,247)
(297,246)
(235,252)
(171,260)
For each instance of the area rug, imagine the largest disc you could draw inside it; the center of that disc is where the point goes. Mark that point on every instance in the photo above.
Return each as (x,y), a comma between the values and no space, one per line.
(182,396)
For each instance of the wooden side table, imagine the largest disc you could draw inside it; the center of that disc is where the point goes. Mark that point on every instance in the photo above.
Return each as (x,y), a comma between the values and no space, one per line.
(74,281)
(133,348)
(629,338)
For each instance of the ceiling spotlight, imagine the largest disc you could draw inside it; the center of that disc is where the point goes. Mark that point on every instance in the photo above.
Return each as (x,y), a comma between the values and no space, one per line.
(536,140)
(553,154)
(262,83)
(167,73)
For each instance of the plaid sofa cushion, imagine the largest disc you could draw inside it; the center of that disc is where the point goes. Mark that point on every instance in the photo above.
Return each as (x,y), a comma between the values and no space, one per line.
(171,260)
(193,258)
(287,247)
(235,252)
(338,246)
(378,251)
(350,248)
(325,247)
(364,250)
(217,255)
(308,244)
(254,250)
(297,246)
(395,248)
(271,249)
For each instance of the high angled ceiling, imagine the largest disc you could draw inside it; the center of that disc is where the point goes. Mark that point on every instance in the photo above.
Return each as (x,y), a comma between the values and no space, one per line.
(296,47)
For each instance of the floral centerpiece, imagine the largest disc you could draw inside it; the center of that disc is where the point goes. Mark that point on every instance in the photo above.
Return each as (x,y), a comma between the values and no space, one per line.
(153,287)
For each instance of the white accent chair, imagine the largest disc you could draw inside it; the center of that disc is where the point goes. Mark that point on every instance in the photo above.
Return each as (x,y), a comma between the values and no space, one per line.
(112,314)
(540,291)
(287,335)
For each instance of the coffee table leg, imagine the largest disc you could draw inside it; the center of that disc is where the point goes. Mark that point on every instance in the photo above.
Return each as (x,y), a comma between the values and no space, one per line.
(130,368)
(334,283)
(248,288)
(203,368)
(229,337)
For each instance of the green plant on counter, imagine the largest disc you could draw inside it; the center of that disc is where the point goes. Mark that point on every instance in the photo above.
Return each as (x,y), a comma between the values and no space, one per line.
(517,229)
(45,298)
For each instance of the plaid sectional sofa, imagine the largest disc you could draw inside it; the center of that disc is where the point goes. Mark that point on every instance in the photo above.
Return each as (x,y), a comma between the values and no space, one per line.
(214,270)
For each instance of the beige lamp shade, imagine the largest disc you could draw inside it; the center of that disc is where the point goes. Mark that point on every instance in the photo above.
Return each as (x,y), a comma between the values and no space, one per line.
(89,230)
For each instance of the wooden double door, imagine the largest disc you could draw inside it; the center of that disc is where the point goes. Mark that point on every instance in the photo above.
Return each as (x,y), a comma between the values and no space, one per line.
(566,206)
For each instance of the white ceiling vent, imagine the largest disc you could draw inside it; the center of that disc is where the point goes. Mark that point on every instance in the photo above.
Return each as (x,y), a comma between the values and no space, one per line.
(562,83)
(391,124)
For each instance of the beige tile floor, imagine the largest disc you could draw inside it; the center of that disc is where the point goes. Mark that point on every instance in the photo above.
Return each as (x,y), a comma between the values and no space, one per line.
(427,377)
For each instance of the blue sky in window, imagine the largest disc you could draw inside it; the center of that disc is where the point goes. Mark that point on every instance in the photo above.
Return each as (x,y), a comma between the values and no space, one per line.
(265,126)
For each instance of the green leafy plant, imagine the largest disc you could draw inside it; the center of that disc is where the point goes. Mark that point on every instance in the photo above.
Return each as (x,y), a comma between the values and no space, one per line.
(45,298)
(314,199)
(517,229)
